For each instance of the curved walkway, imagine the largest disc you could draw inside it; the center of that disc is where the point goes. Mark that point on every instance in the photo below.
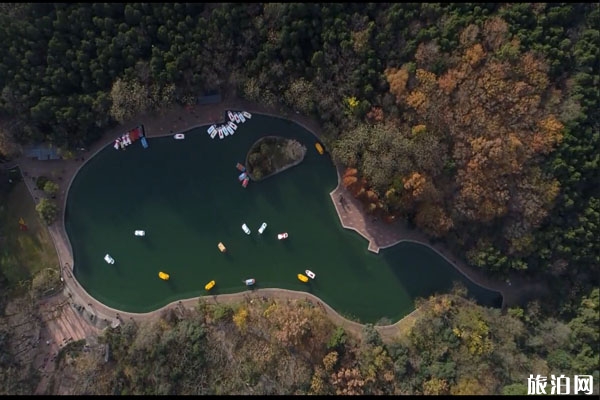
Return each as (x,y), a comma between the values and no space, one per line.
(179,119)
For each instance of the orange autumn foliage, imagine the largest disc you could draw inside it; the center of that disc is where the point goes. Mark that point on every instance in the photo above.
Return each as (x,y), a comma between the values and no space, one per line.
(350,172)
(499,114)
(433,219)
(551,133)
(450,80)
(474,55)
(349,181)
(372,196)
(397,79)
(417,100)
(415,184)
(357,187)
(348,381)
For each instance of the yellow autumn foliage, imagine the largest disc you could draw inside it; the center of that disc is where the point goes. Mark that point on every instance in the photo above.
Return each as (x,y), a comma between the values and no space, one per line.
(418,129)
(240,319)
(417,100)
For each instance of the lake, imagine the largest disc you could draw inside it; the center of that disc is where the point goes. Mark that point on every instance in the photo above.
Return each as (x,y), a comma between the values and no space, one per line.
(186,195)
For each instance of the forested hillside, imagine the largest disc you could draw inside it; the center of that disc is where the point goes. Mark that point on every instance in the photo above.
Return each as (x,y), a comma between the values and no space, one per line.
(476,123)
(279,347)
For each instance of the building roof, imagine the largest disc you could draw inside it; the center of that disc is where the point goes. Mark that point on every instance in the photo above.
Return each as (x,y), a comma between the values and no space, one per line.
(42,152)
(209,99)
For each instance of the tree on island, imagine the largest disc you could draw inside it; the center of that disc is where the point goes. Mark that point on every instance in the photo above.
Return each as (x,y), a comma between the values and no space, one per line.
(271,154)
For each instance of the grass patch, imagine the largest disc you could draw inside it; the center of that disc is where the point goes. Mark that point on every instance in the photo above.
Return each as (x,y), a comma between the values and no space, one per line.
(23,254)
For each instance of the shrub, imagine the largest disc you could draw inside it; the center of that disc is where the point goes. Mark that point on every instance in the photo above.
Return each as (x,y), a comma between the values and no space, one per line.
(40,182)
(222,312)
(48,210)
(371,336)
(51,188)
(337,339)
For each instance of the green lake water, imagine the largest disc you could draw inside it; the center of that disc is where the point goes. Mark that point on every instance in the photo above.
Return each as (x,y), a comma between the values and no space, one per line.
(186,195)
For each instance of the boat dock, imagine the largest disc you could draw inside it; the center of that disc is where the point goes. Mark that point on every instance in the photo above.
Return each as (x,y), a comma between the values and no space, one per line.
(228,128)
(131,136)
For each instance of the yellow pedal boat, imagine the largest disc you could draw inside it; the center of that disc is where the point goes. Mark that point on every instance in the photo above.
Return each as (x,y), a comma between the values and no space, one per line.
(210,285)
(302,278)
(222,247)
(163,275)
(319,148)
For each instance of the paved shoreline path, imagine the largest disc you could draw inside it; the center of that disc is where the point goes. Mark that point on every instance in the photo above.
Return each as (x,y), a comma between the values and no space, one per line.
(178,119)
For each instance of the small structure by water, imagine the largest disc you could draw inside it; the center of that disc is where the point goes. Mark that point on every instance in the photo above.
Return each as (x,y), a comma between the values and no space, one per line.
(214,98)
(42,152)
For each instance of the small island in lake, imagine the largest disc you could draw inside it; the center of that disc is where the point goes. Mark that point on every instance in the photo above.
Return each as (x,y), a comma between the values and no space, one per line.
(272,154)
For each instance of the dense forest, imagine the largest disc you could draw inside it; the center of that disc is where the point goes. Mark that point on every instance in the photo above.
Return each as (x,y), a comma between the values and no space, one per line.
(291,347)
(477,123)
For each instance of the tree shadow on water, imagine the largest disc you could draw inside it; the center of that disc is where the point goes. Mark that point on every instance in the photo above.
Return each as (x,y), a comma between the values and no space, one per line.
(423,273)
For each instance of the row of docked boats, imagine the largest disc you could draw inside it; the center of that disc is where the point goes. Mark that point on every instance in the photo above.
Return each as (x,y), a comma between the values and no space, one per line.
(238,117)
(129,137)
(243,177)
(229,127)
